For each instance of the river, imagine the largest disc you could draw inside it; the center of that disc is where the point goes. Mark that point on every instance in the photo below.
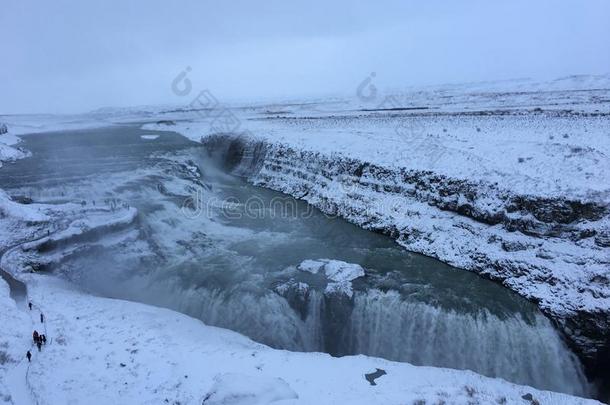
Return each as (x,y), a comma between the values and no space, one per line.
(212,246)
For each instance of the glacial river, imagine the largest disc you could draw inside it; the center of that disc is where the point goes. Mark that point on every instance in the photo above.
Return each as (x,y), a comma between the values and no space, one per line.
(212,246)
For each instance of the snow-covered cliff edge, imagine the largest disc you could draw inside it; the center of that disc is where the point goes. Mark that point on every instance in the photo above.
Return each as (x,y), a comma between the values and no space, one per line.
(8,149)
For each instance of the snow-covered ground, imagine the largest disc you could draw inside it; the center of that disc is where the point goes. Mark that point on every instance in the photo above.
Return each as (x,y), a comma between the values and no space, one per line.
(9,151)
(112,351)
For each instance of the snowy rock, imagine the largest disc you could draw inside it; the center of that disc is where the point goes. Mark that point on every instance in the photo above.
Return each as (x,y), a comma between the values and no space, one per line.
(3,128)
(23,212)
(311,266)
(343,287)
(335,270)
(298,287)
(339,273)
(602,238)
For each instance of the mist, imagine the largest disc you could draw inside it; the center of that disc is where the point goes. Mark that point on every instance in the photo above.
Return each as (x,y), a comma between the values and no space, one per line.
(70,56)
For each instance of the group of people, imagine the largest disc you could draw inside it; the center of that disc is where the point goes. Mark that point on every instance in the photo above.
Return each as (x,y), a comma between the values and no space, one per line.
(39,338)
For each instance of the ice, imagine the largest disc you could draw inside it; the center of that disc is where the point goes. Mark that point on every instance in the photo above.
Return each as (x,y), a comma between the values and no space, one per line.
(311,266)
(335,270)
(339,272)
(149,137)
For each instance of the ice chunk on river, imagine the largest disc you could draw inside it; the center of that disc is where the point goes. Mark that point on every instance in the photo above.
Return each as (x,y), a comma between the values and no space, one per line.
(335,270)
(339,273)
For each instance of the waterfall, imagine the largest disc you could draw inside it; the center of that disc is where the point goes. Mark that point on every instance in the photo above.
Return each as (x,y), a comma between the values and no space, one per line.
(532,353)
(312,330)
(386,325)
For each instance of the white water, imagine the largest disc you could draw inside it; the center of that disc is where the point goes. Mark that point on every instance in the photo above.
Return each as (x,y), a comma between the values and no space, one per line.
(384,325)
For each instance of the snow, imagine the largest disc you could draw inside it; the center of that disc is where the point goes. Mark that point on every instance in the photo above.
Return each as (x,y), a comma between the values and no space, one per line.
(149,137)
(122,352)
(8,149)
(335,270)
(8,207)
(311,266)
(341,273)
(36,123)
(243,389)
(14,340)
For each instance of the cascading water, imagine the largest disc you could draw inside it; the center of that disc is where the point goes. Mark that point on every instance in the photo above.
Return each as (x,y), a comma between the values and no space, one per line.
(384,324)
(531,352)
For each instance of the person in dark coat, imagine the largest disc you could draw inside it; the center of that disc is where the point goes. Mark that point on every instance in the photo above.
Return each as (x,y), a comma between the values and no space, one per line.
(43,337)
(41,318)
(39,345)
(29,356)
(30,305)
(35,336)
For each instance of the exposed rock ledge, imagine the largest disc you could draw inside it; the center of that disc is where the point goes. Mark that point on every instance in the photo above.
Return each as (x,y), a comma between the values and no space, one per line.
(553,251)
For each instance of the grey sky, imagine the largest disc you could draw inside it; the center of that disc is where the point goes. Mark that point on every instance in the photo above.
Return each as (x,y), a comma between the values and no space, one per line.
(65,56)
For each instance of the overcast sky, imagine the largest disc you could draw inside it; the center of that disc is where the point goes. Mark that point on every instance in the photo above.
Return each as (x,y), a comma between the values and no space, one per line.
(72,56)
